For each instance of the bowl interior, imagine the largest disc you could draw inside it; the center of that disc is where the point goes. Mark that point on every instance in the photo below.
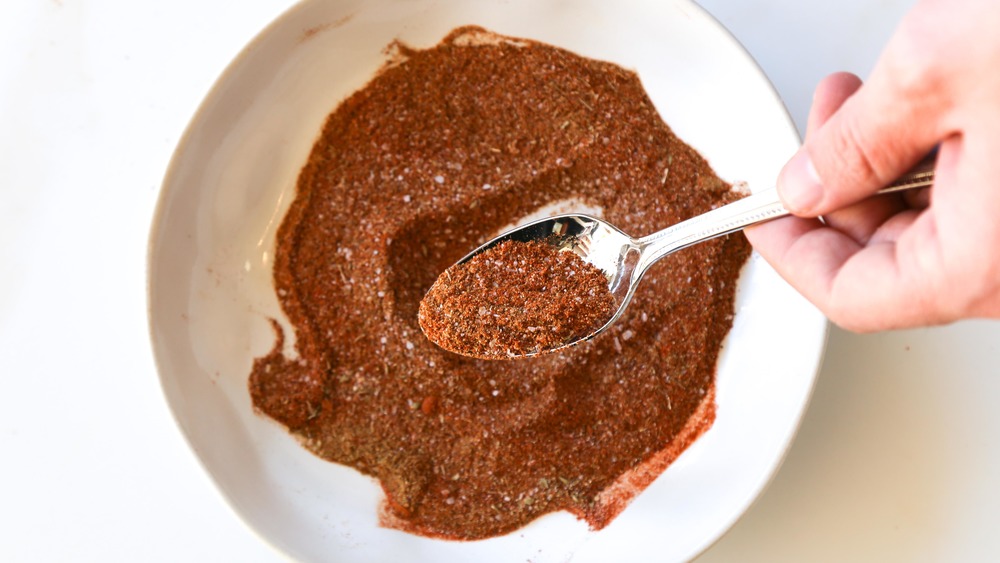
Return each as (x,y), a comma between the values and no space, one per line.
(233,176)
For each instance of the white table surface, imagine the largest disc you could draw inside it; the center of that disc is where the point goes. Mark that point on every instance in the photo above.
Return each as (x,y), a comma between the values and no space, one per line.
(898,457)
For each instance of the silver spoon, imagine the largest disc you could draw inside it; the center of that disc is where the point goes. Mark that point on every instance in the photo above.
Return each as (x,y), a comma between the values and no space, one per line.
(624,259)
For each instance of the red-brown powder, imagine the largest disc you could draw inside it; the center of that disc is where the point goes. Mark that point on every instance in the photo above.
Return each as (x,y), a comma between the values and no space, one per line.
(513,299)
(491,129)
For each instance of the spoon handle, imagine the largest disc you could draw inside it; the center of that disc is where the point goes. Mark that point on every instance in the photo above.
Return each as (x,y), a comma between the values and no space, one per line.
(756,208)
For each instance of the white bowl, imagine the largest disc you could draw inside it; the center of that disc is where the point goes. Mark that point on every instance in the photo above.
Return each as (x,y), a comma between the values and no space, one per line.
(233,176)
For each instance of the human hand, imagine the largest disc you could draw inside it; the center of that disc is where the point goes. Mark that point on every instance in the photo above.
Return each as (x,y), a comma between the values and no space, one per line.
(895,261)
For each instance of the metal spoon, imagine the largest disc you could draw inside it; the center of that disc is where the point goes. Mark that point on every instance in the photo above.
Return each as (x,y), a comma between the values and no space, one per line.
(624,259)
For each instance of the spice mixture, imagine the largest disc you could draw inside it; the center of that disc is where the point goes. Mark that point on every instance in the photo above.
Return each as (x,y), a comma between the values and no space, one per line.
(513,299)
(489,129)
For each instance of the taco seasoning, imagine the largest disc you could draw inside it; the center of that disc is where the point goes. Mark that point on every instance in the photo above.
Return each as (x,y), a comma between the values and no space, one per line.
(490,129)
(514,299)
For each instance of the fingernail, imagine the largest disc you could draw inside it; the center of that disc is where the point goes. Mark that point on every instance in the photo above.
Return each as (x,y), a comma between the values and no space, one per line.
(800,187)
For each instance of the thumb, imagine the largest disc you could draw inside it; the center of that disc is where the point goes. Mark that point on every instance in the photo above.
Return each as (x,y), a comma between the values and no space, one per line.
(881,131)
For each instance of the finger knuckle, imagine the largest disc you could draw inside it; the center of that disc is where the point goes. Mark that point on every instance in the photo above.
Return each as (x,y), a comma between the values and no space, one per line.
(913,61)
(855,159)
(844,311)
(850,321)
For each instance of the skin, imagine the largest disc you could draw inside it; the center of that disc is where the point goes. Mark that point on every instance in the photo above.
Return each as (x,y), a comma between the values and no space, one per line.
(918,259)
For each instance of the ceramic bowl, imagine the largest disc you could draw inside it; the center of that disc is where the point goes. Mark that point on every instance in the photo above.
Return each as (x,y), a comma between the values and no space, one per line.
(233,175)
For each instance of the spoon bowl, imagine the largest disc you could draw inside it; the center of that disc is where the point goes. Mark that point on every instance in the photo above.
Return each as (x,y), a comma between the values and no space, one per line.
(596,241)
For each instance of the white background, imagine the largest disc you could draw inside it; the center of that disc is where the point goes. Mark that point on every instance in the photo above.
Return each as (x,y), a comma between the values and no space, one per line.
(897,457)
